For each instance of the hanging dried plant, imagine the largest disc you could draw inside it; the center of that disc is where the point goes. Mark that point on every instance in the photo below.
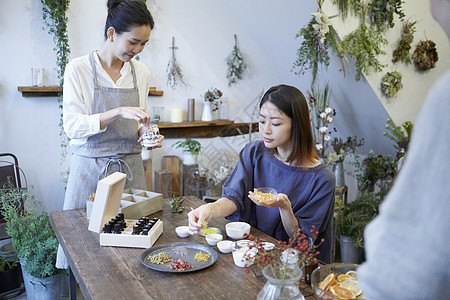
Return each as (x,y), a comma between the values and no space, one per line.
(401,53)
(425,56)
(346,6)
(363,45)
(381,13)
(235,62)
(391,83)
(174,74)
(317,36)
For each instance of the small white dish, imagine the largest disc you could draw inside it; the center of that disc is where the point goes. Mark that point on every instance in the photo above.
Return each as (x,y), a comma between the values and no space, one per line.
(182,231)
(214,238)
(237,230)
(267,246)
(244,253)
(225,246)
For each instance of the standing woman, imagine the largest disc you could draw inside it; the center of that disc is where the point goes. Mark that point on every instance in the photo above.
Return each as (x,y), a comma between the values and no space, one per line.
(285,160)
(104,106)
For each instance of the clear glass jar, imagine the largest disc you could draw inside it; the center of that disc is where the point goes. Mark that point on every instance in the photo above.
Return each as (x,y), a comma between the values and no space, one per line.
(223,109)
(282,283)
(150,135)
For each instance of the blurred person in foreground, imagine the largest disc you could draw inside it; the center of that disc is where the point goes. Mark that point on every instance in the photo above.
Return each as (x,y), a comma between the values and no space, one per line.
(408,244)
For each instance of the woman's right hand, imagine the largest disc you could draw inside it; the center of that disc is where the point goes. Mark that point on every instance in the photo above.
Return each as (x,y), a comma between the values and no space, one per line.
(198,217)
(134,113)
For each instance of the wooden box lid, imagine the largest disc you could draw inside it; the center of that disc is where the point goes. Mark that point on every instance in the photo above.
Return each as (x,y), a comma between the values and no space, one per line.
(107,200)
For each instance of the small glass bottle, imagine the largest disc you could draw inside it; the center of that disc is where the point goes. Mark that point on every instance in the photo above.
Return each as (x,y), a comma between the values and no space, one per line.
(117,228)
(107,228)
(223,109)
(136,229)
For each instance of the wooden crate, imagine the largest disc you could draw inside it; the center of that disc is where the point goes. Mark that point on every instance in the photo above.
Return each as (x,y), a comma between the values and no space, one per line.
(106,206)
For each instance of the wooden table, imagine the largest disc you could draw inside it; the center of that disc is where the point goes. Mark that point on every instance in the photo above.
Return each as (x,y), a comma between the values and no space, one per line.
(116,273)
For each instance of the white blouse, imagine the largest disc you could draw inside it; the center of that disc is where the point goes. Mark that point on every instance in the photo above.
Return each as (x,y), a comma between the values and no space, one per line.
(78,94)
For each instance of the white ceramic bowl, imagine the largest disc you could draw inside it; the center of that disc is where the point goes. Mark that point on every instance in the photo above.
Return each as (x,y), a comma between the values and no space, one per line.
(182,231)
(225,246)
(237,230)
(214,238)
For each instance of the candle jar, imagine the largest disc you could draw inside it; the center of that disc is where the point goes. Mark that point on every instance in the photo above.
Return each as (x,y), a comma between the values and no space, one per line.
(150,135)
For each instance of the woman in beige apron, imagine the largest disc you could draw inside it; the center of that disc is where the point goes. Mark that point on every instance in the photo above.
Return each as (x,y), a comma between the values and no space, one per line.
(114,147)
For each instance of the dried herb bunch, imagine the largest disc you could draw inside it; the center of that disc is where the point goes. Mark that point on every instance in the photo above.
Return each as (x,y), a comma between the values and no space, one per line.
(346,6)
(235,63)
(317,35)
(381,13)
(401,53)
(391,83)
(174,74)
(364,45)
(425,56)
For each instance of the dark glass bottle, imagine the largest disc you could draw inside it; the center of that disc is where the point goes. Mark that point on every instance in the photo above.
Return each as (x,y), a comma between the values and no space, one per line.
(117,228)
(107,228)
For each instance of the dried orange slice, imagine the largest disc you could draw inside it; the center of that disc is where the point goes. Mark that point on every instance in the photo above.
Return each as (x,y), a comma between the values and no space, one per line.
(352,274)
(351,285)
(342,292)
(343,277)
(327,282)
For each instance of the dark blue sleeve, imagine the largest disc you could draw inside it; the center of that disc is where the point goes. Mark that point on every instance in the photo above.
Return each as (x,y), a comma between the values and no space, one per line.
(241,179)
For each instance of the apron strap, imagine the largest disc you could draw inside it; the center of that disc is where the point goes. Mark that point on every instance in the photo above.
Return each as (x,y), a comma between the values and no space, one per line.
(94,69)
(134,74)
(123,168)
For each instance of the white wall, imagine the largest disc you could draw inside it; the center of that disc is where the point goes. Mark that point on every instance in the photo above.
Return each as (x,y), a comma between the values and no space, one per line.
(203,31)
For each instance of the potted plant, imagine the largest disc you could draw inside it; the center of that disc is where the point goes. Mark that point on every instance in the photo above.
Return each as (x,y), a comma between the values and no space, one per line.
(35,243)
(10,276)
(351,220)
(191,148)
(374,170)
(210,104)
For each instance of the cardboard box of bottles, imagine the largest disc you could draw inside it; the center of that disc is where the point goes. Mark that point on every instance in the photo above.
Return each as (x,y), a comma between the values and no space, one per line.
(108,198)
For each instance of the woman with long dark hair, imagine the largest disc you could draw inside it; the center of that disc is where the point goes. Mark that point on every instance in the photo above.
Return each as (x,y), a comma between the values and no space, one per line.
(285,160)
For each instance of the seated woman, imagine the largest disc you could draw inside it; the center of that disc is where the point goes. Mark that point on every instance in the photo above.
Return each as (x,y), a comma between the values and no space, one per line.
(285,160)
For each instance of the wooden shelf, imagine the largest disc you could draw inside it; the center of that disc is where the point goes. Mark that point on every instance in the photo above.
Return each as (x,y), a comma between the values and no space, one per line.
(40,91)
(56,91)
(199,129)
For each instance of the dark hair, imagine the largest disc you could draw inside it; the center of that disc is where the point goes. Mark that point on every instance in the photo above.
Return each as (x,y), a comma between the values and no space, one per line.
(290,101)
(124,14)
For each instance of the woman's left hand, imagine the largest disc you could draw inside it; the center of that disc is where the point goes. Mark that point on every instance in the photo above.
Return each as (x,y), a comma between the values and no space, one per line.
(281,200)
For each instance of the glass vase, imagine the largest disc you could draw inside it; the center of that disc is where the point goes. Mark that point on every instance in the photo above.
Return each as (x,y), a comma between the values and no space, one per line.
(282,283)
(339,173)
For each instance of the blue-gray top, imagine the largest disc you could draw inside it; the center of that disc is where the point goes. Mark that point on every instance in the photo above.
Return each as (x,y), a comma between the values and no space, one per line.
(311,192)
